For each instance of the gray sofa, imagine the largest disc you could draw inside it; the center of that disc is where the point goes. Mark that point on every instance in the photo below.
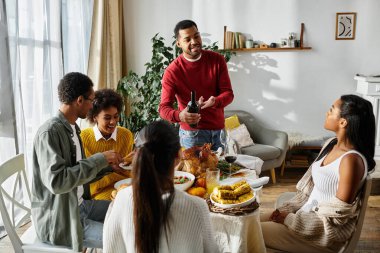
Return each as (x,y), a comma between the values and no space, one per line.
(270,145)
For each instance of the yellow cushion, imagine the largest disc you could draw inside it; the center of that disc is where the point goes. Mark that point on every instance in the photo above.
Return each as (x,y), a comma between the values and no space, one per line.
(231,122)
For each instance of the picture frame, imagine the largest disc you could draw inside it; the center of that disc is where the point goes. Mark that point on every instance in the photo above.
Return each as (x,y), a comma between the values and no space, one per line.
(345,26)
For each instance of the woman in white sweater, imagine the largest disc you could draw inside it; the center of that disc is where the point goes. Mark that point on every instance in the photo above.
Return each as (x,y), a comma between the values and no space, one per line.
(151,215)
(323,214)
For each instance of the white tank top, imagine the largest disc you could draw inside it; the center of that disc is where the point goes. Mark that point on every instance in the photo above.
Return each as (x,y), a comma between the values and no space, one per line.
(326,180)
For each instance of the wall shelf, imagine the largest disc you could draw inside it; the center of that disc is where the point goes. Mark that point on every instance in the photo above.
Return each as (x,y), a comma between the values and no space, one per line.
(268,49)
(279,49)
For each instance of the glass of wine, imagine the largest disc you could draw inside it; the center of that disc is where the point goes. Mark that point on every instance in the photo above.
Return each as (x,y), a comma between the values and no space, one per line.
(230,150)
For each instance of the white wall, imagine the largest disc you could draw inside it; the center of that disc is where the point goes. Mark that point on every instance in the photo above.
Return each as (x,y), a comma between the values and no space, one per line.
(290,91)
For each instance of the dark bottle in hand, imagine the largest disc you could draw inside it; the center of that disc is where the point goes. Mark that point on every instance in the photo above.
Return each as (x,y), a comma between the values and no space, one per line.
(193,107)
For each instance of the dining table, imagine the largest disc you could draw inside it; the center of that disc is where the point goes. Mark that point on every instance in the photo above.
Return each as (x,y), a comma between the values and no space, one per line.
(239,232)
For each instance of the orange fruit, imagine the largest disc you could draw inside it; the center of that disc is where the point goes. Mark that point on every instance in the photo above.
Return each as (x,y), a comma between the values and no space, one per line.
(197,191)
(201,182)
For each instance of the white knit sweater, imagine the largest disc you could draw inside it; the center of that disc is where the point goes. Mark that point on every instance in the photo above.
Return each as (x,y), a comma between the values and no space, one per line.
(329,224)
(190,227)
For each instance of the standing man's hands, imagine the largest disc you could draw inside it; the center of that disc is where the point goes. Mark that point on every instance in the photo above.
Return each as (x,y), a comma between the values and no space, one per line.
(112,157)
(205,104)
(189,118)
(194,118)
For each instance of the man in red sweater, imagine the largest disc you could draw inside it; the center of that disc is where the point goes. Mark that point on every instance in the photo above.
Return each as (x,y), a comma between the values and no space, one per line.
(197,70)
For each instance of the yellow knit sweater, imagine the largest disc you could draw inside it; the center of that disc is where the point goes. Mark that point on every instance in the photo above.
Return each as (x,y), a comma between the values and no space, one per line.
(102,188)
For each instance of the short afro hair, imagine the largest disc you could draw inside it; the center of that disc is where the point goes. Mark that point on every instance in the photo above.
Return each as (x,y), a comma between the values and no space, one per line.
(104,99)
(184,24)
(74,85)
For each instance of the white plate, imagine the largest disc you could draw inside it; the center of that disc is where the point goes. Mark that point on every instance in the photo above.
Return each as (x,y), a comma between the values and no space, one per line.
(125,167)
(245,203)
(127,181)
(186,185)
(244,173)
(256,183)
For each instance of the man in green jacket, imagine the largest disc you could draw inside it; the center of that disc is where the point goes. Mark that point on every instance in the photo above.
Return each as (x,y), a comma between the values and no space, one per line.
(60,215)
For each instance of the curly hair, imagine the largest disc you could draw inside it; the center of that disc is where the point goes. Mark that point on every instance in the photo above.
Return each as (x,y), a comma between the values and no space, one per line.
(104,98)
(184,24)
(73,85)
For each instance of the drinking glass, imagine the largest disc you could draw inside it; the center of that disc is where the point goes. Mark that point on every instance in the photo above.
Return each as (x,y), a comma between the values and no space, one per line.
(223,137)
(230,151)
(212,179)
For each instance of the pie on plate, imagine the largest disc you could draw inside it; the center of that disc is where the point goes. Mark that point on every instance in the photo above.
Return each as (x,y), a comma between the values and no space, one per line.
(118,184)
(125,167)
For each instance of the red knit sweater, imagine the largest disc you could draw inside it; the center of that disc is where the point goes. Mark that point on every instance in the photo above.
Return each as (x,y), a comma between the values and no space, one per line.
(208,77)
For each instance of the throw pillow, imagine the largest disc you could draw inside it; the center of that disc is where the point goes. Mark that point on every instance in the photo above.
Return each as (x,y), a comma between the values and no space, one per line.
(231,122)
(241,136)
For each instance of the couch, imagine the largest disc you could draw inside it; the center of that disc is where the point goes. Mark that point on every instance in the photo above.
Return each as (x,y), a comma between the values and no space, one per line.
(270,145)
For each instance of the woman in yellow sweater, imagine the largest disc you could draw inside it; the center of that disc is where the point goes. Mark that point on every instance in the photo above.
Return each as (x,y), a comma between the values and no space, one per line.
(106,135)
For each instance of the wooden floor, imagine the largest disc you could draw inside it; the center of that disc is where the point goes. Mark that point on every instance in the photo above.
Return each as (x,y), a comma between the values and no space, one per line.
(370,236)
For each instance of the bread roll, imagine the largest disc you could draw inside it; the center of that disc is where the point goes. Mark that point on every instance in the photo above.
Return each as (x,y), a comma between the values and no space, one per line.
(245,188)
(245,197)
(224,194)
(224,187)
(225,201)
(236,185)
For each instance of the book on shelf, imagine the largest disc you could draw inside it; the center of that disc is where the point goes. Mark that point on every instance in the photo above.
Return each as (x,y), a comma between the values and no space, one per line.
(237,39)
(233,40)
(241,41)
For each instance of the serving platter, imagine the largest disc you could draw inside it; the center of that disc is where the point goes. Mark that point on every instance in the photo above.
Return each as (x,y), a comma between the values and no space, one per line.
(245,203)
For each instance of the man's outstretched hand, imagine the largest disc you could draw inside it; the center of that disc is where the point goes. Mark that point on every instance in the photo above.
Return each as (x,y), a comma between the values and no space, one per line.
(205,104)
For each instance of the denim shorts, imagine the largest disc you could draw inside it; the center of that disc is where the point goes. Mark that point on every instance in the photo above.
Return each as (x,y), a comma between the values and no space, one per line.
(191,138)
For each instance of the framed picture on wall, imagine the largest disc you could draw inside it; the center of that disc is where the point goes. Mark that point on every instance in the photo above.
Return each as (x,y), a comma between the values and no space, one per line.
(345,25)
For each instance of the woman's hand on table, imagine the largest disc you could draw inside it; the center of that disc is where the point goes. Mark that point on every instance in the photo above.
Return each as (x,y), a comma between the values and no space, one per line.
(278,216)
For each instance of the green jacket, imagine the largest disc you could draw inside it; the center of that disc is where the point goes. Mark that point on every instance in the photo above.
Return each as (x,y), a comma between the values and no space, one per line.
(56,175)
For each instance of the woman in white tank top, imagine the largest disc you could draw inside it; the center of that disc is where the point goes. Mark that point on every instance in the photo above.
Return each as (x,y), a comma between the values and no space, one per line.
(322,215)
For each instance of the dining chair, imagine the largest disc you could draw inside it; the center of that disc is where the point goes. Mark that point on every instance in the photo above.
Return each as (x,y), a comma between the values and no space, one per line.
(28,243)
(353,241)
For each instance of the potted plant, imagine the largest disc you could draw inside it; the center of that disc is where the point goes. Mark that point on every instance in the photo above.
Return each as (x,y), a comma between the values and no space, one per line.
(143,92)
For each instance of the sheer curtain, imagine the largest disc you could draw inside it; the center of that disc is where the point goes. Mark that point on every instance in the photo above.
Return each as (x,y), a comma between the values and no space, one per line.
(42,40)
(47,39)
(7,115)
(107,62)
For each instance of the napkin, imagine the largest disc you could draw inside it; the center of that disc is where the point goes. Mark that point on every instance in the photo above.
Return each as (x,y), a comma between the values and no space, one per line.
(250,162)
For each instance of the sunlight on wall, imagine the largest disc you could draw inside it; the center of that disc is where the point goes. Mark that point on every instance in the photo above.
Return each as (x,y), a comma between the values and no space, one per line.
(273,97)
(288,90)
(291,116)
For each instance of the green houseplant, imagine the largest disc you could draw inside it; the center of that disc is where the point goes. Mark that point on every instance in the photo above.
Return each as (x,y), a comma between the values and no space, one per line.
(144,91)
